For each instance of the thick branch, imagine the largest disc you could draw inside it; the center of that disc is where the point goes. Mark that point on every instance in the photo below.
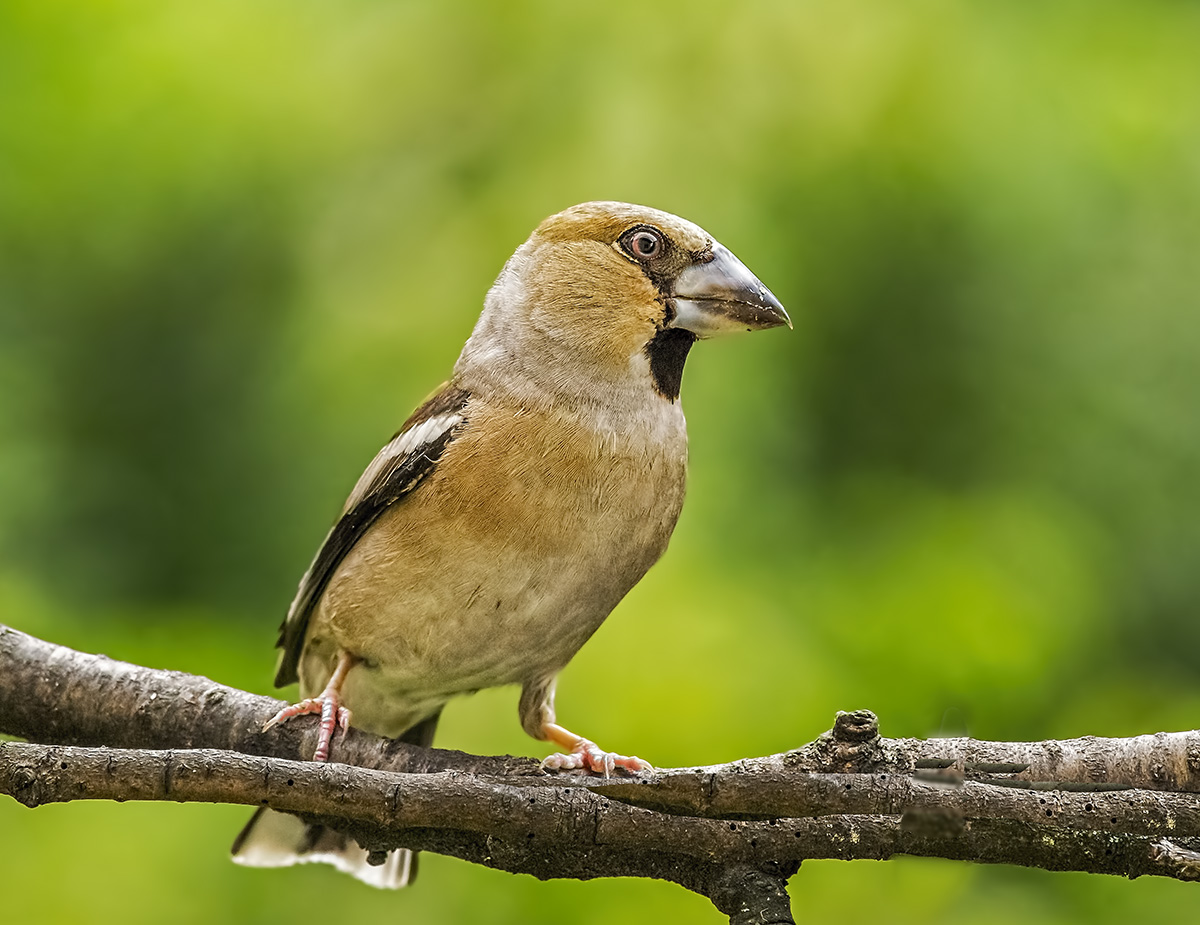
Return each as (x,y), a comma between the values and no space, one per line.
(52,694)
(49,693)
(732,832)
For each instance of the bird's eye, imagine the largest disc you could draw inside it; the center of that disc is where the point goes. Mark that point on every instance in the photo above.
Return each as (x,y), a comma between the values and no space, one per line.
(644,243)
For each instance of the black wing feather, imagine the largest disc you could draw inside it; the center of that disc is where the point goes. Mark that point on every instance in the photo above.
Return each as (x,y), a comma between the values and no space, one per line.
(393,483)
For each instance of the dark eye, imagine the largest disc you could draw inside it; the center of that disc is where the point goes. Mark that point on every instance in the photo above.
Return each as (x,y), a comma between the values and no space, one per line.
(644,243)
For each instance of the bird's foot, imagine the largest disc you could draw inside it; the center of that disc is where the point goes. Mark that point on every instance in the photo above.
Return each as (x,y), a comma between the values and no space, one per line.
(588,756)
(328,704)
(333,717)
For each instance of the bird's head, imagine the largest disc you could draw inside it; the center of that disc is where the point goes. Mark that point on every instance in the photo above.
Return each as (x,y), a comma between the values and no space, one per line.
(611,296)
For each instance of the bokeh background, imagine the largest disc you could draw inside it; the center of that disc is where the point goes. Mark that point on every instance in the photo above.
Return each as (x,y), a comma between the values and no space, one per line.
(240,241)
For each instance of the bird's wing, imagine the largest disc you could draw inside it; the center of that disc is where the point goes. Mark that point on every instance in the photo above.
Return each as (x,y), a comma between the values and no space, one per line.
(392,475)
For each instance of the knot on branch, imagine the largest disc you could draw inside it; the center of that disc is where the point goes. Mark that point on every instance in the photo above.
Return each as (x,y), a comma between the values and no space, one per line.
(856,726)
(852,745)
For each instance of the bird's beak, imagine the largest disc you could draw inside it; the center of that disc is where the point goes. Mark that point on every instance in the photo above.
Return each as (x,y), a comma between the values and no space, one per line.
(723,296)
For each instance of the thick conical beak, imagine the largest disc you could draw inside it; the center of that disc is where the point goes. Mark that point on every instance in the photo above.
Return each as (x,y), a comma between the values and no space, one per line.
(723,296)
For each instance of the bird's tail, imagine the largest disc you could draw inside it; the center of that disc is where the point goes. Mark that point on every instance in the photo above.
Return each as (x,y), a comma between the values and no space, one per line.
(273,839)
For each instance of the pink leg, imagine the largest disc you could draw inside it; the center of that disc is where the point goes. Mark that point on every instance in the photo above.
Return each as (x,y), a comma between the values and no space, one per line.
(586,754)
(327,703)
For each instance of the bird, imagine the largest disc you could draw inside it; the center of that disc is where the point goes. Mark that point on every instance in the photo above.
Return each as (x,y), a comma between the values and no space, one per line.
(513,510)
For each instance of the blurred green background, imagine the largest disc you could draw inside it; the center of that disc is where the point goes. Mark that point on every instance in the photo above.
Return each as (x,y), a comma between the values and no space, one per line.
(240,241)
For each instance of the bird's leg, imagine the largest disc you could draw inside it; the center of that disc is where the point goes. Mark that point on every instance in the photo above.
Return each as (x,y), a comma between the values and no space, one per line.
(327,703)
(538,719)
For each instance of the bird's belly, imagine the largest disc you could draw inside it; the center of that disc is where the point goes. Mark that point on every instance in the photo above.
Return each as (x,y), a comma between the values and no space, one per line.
(455,592)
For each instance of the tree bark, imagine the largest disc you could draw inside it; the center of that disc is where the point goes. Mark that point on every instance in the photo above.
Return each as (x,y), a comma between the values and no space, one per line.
(102,729)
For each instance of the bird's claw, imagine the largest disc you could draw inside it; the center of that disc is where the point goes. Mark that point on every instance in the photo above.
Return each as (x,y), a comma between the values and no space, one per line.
(333,717)
(588,756)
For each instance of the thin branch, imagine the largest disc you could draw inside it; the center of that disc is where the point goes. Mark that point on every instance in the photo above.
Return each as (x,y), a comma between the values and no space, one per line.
(450,813)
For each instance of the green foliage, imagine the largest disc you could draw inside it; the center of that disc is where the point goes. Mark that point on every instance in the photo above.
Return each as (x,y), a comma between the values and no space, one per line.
(238,242)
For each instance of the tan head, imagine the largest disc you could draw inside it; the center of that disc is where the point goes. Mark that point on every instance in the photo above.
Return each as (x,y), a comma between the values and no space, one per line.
(606,289)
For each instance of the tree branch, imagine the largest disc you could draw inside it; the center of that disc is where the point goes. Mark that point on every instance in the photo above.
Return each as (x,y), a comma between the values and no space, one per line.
(733,832)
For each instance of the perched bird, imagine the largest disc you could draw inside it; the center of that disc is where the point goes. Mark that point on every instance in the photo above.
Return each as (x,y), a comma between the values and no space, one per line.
(516,507)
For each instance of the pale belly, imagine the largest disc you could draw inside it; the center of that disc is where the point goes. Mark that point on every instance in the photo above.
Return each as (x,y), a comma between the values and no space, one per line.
(467,586)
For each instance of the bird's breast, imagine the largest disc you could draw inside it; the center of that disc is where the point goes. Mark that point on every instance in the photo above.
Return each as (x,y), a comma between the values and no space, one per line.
(501,565)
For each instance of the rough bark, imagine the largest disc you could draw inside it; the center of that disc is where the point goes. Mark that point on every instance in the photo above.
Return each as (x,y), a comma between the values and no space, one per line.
(101,729)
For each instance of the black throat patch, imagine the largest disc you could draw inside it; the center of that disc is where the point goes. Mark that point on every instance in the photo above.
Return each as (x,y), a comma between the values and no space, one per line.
(667,352)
